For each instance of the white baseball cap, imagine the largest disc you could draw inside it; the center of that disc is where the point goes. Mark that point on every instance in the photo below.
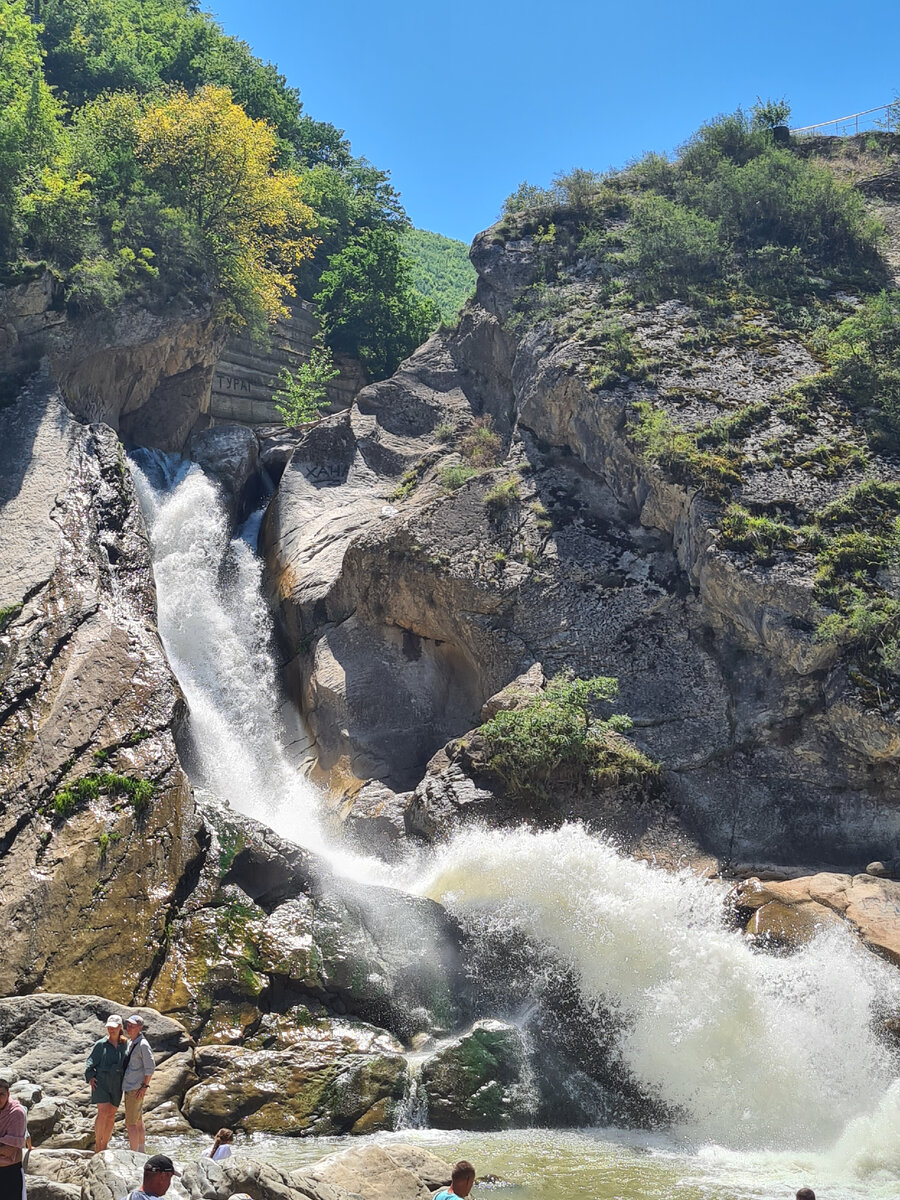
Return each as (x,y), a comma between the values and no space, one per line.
(114,1021)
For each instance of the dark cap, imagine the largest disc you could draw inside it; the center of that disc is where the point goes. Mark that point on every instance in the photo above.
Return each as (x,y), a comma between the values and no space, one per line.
(160,1162)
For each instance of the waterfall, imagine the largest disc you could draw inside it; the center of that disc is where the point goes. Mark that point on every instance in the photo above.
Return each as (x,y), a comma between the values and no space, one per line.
(217,631)
(748,1050)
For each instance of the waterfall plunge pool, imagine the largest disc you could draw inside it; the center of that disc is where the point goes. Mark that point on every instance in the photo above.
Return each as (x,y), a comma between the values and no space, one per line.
(612,1164)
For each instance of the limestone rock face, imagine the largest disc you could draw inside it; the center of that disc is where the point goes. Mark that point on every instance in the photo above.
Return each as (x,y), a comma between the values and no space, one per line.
(481,1080)
(409,601)
(86,697)
(144,374)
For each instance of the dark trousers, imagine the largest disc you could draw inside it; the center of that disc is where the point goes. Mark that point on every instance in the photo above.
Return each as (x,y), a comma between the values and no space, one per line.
(11,1182)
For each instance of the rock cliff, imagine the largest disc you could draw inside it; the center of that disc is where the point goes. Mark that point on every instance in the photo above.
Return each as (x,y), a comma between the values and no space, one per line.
(411,584)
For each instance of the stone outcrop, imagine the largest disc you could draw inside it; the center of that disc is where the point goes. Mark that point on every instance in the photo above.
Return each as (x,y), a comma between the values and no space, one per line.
(145,374)
(792,911)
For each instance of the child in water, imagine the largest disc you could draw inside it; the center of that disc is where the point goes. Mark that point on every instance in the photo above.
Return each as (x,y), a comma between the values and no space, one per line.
(221,1147)
(461,1182)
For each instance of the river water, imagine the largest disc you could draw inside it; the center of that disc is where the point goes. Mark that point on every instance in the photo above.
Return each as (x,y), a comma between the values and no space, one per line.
(774,1065)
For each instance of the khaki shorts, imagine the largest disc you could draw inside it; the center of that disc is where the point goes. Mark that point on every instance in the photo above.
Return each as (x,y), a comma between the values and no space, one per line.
(134,1108)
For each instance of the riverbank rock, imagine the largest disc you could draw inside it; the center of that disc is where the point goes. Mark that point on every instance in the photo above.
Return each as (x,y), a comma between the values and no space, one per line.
(793,910)
(482,1080)
(392,1172)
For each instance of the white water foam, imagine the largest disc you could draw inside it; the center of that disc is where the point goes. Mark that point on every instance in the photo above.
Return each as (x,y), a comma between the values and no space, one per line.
(754,1052)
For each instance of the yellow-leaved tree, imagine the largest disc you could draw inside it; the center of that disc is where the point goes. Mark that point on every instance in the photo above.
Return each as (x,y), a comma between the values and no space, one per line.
(204,154)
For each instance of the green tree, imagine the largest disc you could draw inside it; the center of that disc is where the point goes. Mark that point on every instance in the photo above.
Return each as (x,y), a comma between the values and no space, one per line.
(29,117)
(303,393)
(368,305)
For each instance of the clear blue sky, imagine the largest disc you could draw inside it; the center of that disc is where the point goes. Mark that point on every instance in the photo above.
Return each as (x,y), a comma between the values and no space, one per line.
(461,101)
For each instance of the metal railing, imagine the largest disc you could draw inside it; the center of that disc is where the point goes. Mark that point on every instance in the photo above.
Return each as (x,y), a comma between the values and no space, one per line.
(885,117)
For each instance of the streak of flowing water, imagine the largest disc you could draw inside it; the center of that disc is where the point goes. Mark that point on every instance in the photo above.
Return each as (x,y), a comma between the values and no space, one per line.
(756,1055)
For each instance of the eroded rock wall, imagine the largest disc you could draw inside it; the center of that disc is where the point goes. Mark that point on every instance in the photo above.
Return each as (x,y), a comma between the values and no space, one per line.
(407,597)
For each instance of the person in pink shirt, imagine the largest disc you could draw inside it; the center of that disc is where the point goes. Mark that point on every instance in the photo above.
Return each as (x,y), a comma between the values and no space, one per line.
(12,1143)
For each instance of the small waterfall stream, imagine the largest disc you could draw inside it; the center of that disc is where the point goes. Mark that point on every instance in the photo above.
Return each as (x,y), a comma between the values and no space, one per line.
(755,1053)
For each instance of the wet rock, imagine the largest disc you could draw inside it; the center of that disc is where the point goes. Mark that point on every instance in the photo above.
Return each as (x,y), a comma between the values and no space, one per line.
(481,1080)
(391,1172)
(230,455)
(791,926)
(375,820)
(326,1083)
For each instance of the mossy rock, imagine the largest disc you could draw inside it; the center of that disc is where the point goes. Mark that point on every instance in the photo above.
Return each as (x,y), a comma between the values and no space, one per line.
(481,1080)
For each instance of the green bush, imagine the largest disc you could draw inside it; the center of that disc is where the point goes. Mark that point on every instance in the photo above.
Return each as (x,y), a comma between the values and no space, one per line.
(501,496)
(555,740)
(480,444)
(452,476)
(103,783)
(303,393)
(674,251)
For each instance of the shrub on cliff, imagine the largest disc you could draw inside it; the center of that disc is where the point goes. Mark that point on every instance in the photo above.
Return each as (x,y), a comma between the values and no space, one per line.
(556,741)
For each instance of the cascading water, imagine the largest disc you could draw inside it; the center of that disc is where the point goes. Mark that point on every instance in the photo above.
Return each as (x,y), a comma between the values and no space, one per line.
(217,632)
(751,1052)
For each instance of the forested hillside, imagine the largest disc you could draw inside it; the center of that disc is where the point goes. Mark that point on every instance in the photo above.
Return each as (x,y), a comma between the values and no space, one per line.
(441,269)
(146,154)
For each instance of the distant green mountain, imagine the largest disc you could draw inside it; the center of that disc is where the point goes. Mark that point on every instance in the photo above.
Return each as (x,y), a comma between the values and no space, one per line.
(441,269)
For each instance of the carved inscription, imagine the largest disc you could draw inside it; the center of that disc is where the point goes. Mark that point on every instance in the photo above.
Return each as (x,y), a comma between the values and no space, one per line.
(231,383)
(324,473)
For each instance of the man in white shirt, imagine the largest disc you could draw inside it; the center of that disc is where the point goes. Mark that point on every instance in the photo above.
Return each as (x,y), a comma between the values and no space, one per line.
(139,1066)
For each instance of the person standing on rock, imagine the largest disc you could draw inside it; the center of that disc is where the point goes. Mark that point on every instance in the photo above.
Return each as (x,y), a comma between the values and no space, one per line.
(139,1066)
(104,1071)
(158,1172)
(12,1143)
(461,1182)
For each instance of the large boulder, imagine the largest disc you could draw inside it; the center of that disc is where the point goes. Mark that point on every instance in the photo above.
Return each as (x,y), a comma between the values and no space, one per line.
(391,1172)
(481,1080)
(230,455)
(332,1078)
